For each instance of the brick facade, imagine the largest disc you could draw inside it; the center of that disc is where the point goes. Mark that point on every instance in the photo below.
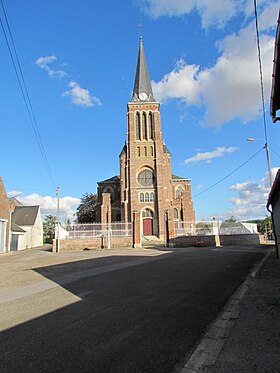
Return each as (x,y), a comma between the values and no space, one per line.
(4,217)
(145,183)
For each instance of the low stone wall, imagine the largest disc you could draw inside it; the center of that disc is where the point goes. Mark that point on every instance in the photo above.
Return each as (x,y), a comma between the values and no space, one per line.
(187,241)
(221,240)
(92,243)
(239,239)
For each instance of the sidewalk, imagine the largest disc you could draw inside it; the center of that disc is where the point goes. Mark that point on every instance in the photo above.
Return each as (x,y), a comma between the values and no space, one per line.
(250,339)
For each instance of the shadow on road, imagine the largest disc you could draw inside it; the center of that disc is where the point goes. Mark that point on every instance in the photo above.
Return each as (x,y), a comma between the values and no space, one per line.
(140,318)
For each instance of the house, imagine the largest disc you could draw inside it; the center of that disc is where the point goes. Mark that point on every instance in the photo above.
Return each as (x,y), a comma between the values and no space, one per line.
(274,203)
(4,219)
(275,87)
(27,228)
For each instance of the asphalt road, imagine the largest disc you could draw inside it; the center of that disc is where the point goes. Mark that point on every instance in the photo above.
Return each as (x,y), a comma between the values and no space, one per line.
(126,313)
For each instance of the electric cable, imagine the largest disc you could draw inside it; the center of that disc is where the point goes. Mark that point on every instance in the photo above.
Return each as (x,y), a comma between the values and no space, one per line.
(24,92)
(232,172)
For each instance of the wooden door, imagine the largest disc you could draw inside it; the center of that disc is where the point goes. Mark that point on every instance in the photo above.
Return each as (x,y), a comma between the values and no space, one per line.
(147,227)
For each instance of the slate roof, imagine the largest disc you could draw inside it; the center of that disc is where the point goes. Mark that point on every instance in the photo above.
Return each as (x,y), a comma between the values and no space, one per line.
(275,89)
(25,215)
(165,149)
(16,229)
(112,179)
(142,81)
(176,177)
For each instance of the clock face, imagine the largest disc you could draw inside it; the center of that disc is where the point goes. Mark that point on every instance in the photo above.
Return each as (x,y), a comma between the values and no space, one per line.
(143,96)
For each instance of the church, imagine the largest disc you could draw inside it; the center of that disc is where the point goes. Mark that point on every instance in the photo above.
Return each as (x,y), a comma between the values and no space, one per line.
(145,185)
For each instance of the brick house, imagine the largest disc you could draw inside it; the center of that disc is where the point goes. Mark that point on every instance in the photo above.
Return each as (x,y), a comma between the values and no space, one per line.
(145,185)
(4,219)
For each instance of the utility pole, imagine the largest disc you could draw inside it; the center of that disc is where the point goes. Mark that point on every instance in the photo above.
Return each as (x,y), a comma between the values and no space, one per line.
(58,220)
(268,164)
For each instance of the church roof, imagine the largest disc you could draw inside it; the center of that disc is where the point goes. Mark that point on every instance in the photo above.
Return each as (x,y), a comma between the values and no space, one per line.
(110,180)
(176,177)
(142,83)
(165,149)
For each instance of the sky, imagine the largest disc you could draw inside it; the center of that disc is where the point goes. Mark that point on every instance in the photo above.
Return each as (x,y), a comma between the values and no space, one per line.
(78,60)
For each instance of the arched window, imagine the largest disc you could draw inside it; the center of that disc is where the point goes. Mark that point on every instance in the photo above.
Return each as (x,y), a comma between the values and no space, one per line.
(141,197)
(145,151)
(111,191)
(138,126)
(151,127)
(179,191)
(138,151)
(152,196)
(152,150)
(147,213)
(176,215)
(144,127)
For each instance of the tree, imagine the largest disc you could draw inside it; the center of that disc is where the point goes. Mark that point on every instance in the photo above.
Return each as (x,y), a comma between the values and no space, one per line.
(86,211)
(231,220)
(49,228)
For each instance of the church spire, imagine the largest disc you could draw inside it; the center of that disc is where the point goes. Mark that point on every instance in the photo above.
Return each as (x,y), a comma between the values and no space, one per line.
(142,85)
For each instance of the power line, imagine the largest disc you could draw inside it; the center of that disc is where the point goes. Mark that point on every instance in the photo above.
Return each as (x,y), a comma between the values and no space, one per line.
(24,92)
(232,172)
(274,151)
(260,69)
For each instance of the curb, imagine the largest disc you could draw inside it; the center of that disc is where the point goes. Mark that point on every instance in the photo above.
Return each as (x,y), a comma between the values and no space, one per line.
(209,348)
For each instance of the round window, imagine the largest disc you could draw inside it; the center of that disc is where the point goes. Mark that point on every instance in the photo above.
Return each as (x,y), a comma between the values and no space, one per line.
(146,178)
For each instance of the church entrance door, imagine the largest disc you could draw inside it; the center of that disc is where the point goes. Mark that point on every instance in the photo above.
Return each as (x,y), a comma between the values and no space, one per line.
(148,227)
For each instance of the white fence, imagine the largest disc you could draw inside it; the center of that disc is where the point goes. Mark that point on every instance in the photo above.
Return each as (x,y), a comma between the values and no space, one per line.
(214,227)
(99,230)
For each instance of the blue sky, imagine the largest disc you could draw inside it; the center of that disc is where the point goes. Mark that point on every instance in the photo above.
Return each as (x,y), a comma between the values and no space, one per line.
(79,59)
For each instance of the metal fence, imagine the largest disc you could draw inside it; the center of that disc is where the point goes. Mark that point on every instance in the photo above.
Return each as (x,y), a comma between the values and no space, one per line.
(214,227)
(98,230)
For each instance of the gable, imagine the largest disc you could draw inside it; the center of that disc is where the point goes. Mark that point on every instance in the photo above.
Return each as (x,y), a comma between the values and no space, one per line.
(25,215)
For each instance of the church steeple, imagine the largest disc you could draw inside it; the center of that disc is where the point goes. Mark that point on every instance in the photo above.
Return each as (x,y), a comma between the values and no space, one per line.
(142,85)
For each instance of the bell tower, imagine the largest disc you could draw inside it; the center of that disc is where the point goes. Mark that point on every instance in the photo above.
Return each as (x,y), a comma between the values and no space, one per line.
(145,162)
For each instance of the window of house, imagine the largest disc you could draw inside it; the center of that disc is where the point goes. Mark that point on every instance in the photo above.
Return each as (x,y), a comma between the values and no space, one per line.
(176,215)
(152,196)
(152,151)
(147,197)
(141,197)
(138,151)
(145,151)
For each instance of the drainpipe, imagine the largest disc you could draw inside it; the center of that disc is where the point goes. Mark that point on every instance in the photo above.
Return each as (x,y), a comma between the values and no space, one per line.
(274,231)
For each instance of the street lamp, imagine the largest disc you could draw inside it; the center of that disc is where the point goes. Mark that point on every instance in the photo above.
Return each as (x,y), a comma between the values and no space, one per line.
(267,158)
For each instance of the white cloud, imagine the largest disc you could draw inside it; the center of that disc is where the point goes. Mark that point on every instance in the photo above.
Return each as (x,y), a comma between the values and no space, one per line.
(231,88)
(208,156)
(213,14)
(44,62)
(13,193)
(251,198)
(81,96)
(48,204)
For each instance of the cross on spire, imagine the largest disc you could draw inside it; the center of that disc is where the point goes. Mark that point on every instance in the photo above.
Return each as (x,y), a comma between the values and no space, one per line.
(140,25)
